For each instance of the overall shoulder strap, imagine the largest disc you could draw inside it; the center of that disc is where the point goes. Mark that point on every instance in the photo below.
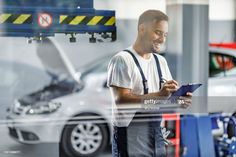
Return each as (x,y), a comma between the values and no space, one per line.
(144,80)
(159,70)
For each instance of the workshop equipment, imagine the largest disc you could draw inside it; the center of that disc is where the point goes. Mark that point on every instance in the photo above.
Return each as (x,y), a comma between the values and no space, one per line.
(172,123)
(225,145)
(197,139)
(43,18)
(196,136)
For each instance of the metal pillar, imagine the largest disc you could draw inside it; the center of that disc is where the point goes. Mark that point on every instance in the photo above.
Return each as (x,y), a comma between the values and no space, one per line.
(187,45)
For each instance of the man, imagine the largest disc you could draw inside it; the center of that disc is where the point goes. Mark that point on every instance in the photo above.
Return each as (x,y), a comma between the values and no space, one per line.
(135,75)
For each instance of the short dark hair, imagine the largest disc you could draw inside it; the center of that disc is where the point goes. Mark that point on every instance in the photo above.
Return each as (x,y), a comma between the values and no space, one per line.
(151,15)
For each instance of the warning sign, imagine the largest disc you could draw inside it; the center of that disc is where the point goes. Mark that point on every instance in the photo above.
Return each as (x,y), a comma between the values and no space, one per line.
(44,20)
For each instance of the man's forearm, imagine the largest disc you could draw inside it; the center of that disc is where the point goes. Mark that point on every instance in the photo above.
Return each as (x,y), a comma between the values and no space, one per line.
(133,98)
(125,96)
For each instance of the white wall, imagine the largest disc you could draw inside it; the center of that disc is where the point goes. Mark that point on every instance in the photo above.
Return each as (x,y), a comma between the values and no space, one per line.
(222,10)
(130,9)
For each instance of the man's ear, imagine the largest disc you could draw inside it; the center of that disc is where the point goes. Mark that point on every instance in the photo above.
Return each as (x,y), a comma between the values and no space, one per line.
(141,28)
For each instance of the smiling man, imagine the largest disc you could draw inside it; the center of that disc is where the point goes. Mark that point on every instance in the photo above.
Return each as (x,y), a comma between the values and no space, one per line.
(136,74)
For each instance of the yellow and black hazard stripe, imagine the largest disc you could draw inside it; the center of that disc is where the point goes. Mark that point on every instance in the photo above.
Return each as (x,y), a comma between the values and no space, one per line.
(6,18)
(87,20)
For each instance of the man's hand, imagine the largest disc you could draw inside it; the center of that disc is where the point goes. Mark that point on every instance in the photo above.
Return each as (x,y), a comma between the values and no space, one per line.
(185,101)
(168,88)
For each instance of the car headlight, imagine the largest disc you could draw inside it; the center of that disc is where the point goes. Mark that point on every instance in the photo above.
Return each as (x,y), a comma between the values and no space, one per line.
(43,108)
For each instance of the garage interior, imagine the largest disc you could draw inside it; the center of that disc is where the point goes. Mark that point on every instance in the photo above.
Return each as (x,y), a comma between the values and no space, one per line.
(66,69)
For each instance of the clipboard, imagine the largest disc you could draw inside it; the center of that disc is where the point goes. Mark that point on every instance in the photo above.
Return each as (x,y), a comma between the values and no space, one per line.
(183,90)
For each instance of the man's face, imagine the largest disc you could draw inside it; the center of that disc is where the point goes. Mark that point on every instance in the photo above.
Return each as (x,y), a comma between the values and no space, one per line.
(154,35)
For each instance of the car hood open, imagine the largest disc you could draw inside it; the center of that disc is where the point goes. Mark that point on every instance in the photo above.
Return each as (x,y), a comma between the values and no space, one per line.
(54,59)
(50,92)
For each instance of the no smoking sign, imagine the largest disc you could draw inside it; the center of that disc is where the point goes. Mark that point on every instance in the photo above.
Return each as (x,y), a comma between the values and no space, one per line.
(44,20)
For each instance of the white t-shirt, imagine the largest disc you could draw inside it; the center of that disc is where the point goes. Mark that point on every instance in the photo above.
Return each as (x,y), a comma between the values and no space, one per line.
(123,72)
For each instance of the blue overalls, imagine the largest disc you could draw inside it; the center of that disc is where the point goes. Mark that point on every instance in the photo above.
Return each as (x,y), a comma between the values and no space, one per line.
(143,136)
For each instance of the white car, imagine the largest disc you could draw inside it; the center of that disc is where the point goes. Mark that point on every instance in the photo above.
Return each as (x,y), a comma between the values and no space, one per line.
(222,78)
(75,110)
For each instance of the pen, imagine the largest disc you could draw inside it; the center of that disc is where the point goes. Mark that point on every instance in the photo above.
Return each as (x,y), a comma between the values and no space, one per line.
(163,80)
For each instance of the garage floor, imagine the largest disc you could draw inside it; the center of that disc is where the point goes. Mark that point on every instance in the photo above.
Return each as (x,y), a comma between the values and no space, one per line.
(10,148)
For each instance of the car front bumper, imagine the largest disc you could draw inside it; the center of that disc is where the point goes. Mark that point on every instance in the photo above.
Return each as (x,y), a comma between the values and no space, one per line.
(34,129)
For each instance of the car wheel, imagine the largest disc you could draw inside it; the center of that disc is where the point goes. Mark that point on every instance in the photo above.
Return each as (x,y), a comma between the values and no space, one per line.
(84,139)
(231,128)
